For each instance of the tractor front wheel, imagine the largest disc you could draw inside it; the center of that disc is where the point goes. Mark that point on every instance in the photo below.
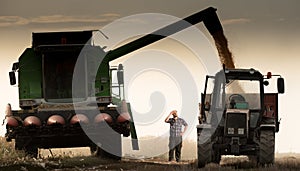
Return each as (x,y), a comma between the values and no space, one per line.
(204,147)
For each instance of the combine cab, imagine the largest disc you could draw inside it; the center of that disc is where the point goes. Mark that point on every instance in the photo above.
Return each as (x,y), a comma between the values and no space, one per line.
(238,117)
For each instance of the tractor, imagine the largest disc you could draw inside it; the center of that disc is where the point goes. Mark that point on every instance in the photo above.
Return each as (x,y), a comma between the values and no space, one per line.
(237,117)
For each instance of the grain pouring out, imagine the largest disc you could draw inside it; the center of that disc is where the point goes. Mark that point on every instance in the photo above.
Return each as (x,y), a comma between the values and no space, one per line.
(225,54)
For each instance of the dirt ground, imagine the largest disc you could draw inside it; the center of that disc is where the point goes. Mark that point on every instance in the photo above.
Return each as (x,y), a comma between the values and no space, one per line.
(80,159)
(84,162)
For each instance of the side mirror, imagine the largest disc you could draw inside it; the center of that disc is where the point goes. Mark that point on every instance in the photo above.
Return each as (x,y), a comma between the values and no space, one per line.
(15,66)
(12,78)
(280,85)
(120,74)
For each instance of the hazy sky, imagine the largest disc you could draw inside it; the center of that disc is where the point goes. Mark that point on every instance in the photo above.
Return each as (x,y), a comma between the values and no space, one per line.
(262,34)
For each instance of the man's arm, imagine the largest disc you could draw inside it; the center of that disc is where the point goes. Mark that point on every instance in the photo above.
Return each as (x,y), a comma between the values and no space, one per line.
(167,118)
(185,128)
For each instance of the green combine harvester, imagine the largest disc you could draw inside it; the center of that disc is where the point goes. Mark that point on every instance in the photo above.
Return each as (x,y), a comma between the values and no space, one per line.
(59,109)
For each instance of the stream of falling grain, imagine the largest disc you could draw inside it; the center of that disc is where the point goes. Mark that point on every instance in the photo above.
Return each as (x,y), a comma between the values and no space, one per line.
(225,55)
(226,58)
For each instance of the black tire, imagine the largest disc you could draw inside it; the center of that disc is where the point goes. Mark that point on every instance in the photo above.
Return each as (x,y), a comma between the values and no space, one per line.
(18,144)
(204,149)
(266,147)
(31,151)
(253,160)
(110,147)
(97,151)
(216,156)
(24,145)
(94,149)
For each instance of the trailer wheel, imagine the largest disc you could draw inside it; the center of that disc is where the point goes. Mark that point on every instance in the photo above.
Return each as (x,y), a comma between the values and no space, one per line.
(266,147)
(204,148)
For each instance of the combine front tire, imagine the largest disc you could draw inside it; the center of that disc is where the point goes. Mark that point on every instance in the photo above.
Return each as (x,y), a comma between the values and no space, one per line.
(266,147)
(31,151)
(94,149)
(109,146)
(97,151)
(29,148)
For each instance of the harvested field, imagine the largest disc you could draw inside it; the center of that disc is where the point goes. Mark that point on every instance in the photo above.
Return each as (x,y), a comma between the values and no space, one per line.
(79,159)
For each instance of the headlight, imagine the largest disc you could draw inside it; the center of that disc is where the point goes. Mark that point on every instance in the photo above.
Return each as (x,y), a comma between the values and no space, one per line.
(241,131)
(230,130)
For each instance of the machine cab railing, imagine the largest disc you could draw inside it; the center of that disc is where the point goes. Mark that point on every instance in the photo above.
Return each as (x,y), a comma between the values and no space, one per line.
(117,83)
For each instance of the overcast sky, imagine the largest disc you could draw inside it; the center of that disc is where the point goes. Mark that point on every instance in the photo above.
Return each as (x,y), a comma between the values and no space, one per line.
(262,34)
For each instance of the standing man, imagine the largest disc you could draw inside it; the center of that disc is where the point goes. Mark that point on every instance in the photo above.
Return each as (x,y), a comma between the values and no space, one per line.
(175,140)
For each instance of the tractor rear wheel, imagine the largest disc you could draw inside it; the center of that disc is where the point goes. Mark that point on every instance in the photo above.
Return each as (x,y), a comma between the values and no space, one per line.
(266,147)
